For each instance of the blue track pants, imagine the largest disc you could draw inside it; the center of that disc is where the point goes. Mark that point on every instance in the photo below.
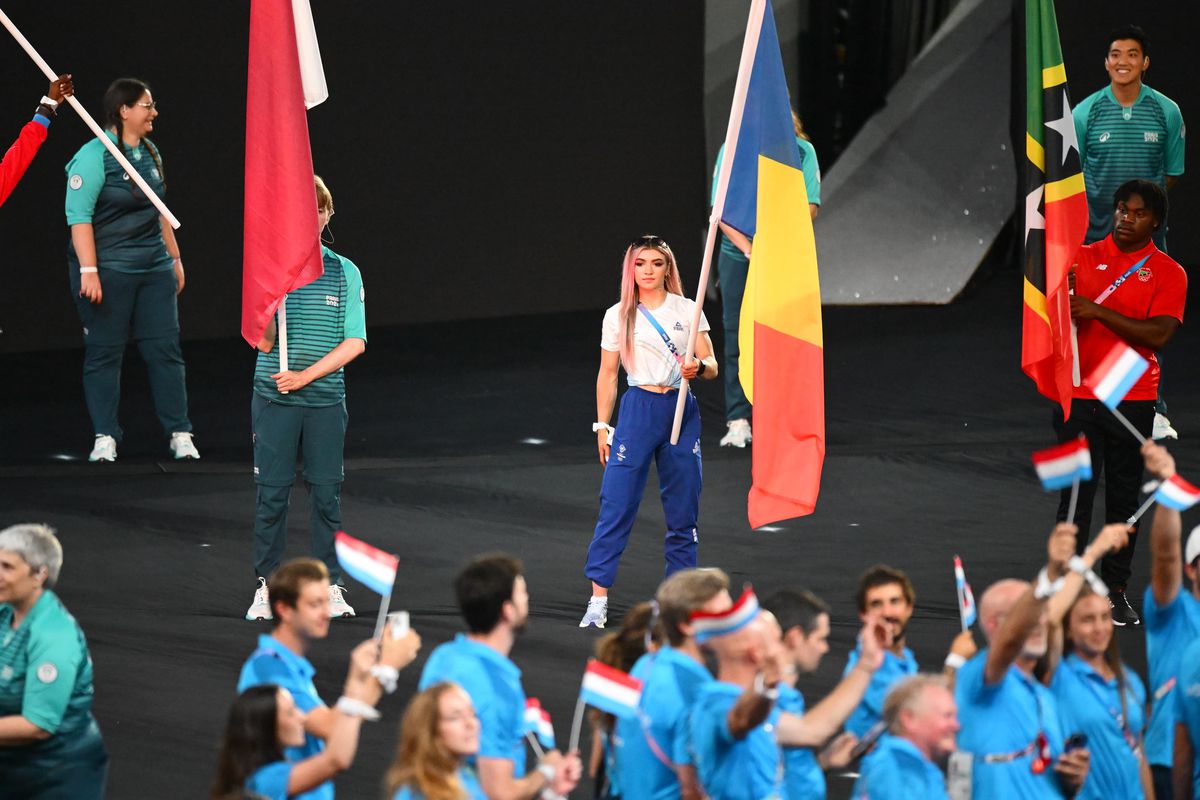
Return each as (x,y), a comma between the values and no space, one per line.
(644,433)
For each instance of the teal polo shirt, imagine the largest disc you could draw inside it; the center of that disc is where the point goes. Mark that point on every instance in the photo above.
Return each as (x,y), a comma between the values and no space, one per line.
(897,770)
(671,682)
(1002,719)
(1118,144)
(803,778)
(1167,628)
(45,668)
(126,225)
(1089,704)
(493,683)
(320,316)
(1187,704)
(812,185)
(733,769)
(274,663)
(870,709)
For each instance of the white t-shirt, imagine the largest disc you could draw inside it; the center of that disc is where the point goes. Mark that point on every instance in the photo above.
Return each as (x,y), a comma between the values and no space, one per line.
(655,364)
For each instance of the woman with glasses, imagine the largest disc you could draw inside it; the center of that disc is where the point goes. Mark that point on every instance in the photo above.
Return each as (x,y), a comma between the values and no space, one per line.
(125,272)
(299,410)
(647,333)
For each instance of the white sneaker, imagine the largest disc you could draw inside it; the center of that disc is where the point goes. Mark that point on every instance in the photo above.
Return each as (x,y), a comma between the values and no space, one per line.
(104,449)
(182,447)
(596,615)
(261,607)
(338,607)
(1163,429)
(738,434)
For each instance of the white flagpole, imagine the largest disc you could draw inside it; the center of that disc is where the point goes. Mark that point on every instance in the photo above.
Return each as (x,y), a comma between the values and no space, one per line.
(749,48)
(91,123)
(535,744)
(576,725)
(383,609)
(1145,506)
(281,334)
(1074,500)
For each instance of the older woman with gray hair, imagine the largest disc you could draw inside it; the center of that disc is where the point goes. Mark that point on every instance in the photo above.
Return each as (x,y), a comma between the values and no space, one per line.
(50,745)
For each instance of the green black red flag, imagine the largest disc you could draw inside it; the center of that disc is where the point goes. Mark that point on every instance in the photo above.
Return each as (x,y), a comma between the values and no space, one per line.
(1056,215)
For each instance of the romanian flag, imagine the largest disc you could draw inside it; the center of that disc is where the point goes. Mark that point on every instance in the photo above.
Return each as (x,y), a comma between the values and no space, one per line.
(781,361)
(1056,214)
(282,248)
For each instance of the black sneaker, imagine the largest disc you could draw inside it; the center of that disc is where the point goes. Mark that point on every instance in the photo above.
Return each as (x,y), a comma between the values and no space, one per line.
(1122,613)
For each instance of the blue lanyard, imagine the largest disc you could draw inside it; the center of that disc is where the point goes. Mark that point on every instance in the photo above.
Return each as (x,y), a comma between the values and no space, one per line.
(1116,714)
(666,339)
(1104,295)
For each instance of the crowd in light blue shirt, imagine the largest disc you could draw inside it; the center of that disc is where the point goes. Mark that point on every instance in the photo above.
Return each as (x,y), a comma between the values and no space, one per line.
(1187,705)
(671,682)
(466,776)
(730,768)
(1089,704)
(1166,628)
(803,778)
(870,709)
(493,683)
(897,770)
(274,663)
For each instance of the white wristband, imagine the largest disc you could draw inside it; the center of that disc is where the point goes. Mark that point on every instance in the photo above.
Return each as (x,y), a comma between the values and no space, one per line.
(46,101)
(387,676)
(598,426)
(1045,587)
(548,772)
(88,270)
(356,708)
(954,661)
(1077,564)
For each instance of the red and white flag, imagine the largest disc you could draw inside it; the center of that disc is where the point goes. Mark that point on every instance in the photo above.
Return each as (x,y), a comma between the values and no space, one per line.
(282,248)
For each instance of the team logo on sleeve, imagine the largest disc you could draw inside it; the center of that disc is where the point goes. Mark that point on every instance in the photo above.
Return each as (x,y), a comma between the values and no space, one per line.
(6,673)
(47,673)
(154,172)
(362,294)
(76,182)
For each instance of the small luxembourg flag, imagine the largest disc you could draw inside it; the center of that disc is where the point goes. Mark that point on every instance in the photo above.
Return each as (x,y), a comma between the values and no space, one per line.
(1062,465)
(1117,374)
(368,565)
(966,598)
(707,625)
(1177,493)
(537,720)
(611,690)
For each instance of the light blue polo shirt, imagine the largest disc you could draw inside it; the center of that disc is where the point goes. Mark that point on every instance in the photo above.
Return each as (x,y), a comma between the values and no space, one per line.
(272,662)
(803,778)
(1003,718)
(671,682)
(1089,704)
(870,708)
(271,780)
(729,768)
(897,770)
(466,776)
(493,683)
(1187,704)
(1167,628)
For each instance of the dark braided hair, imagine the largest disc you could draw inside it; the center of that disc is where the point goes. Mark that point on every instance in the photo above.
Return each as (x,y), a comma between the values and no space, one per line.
(127,92)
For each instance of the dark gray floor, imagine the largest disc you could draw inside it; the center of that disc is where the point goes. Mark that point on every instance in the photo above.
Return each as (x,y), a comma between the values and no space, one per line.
(930,427)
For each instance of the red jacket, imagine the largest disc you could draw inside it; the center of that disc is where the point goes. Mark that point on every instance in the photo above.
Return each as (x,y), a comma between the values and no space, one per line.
(17,159)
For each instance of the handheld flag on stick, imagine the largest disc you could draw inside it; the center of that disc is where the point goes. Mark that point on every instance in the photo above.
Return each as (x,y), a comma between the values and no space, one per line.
(966,598)
(282,245)
(709,625)
(537,722)
(369,566)
(608,689)
(760,192)
(1067,464)
(1056,215)
(1060,466)
(1114,377)
(1177,493)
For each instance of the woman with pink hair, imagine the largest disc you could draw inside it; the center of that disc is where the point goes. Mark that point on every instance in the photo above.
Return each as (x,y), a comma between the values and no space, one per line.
(647,333)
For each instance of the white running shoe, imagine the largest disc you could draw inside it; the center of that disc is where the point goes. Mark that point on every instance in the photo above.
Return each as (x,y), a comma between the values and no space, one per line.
(738,434)
(338,607)
(261,607)
(1163,429)
(597,613)
(182,446)
(105,449)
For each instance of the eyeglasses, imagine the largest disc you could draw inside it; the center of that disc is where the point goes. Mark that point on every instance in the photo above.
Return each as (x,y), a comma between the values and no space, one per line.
(328,211)
(153,106)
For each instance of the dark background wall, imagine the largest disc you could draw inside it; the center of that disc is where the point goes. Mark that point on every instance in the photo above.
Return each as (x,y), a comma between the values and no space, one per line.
(486,159)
